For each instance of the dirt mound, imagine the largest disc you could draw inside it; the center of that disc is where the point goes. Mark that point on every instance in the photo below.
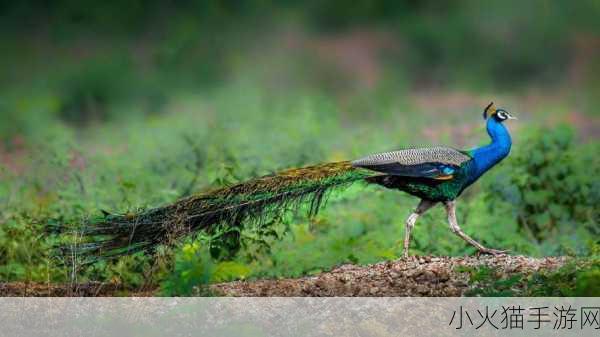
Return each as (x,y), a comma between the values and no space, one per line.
(415,276)
(91,289)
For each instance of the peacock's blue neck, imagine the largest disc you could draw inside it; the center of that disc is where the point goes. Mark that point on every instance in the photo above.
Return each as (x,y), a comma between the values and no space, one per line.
(487,156)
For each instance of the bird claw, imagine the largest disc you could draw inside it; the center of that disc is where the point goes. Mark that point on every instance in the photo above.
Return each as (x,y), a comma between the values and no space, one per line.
(494,252)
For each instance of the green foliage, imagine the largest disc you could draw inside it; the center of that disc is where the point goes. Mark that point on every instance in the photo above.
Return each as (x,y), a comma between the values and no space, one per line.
(488,282)
(551,186)
(577,278)
(587,282)
(90,91)
(100,89)
(24,251)
(194,269)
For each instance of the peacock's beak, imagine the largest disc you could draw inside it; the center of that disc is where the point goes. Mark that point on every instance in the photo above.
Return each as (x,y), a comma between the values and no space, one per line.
(509,115)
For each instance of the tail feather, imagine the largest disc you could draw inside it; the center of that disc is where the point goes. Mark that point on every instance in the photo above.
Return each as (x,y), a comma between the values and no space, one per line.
(255,201)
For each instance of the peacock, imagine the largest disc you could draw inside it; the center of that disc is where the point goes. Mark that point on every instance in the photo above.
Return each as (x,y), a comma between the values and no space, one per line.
(436,175)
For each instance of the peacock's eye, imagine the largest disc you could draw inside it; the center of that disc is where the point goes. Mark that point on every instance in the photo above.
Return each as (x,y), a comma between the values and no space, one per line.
(502,115)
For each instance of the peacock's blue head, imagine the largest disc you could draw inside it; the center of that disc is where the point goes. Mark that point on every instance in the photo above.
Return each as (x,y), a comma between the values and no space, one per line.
(499,115)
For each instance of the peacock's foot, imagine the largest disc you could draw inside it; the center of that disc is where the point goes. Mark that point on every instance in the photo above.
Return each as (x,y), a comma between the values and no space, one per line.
(489,251)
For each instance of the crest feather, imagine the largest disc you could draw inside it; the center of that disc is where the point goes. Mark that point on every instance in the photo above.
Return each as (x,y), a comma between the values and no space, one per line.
(489,110)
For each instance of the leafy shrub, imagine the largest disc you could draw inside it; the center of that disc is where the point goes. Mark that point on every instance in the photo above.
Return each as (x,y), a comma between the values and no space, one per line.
(578,278)
(551,185)
(24,251)
(88,93)
(194,269)
(99,89)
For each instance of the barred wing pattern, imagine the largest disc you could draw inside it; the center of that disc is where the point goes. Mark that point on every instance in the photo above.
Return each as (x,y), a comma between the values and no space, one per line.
(432,162)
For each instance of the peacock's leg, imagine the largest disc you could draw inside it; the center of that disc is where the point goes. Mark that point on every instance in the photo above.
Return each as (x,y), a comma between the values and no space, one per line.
(451,211)
(423,206)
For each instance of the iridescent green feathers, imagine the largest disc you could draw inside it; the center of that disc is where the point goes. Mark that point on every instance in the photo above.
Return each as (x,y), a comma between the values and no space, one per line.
(256,200)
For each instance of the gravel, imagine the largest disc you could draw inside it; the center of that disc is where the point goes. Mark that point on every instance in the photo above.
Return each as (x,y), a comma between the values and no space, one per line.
(415,276)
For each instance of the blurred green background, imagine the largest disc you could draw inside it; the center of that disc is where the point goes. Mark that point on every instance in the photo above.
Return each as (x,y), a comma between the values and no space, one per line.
(121,106)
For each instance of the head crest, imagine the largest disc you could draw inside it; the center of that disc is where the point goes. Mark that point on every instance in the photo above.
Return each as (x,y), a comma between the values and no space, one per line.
(489,110)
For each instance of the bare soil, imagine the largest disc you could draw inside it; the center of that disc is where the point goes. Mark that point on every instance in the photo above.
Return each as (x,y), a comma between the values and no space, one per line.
(91,289)
(415,276)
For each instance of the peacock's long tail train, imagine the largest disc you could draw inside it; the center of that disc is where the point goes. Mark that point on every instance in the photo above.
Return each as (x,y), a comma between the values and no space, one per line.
(255,200)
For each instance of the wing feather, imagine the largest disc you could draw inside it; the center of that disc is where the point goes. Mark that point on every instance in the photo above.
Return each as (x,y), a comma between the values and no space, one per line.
(432,162)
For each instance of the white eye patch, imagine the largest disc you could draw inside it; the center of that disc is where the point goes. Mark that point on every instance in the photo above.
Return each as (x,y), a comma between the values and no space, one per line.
(502,115)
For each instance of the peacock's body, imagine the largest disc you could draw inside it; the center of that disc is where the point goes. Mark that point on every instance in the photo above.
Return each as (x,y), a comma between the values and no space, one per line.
(434,174)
